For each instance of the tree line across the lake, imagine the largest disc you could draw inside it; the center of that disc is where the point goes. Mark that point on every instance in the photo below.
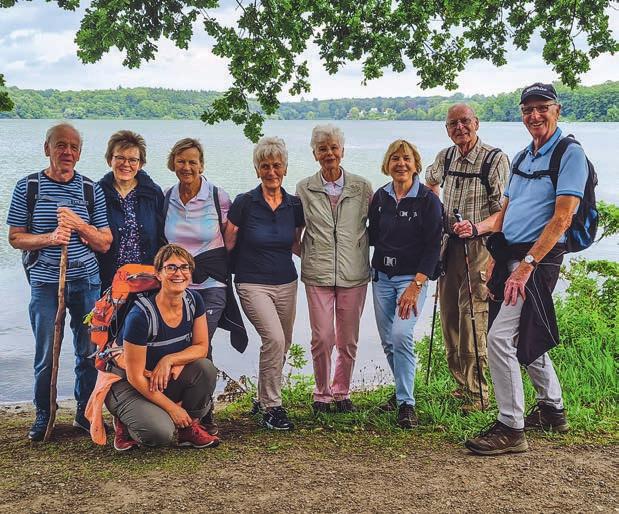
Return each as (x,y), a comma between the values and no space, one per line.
(594,103)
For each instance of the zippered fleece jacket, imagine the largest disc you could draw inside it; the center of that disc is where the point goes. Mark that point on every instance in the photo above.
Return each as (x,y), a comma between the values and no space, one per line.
(335,245)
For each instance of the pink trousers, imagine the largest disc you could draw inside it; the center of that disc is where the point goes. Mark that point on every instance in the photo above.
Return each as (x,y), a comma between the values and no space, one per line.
(335,313)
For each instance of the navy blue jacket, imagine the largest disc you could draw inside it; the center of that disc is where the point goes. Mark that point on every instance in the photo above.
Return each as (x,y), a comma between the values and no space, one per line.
(406,236)
(149,215)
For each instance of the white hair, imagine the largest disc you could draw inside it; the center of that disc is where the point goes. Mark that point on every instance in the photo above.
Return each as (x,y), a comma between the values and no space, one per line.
(64,125)
(270,147)
(324,132)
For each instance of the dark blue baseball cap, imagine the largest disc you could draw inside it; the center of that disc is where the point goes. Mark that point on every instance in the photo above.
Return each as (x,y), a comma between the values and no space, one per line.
(539,90)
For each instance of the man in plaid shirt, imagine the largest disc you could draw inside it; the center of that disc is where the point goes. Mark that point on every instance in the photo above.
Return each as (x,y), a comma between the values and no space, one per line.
(459,171)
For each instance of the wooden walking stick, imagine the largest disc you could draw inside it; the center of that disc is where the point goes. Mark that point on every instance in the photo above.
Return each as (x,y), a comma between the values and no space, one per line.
(58,333)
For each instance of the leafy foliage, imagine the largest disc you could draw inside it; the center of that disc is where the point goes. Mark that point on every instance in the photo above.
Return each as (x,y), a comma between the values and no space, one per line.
(609,219)
(265,44)
(5,102)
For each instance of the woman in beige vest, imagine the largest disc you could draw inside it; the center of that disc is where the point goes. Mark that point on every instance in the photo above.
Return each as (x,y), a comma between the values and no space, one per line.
(334,265)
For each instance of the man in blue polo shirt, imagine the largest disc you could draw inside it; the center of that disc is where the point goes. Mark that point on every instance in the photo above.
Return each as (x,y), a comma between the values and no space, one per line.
(61,216)
(533,219)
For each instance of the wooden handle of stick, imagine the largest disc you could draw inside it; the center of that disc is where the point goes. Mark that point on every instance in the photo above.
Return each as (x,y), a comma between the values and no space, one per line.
(58,329)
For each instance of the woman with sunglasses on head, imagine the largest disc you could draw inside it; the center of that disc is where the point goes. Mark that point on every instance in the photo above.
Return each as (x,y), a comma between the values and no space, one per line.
(169,381)
(134,206)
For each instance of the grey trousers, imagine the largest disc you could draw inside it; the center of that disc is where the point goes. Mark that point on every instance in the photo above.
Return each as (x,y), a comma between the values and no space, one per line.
(149,424)
(271,309)
(215,304)
(505,368)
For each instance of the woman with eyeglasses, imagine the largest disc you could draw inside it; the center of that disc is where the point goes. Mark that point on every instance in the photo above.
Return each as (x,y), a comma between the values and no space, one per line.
(134,206)
(169,381)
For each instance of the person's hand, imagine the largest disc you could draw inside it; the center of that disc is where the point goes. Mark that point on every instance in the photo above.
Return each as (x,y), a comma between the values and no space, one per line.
(160,376)
(489,270)
(60,236)
(464,228)
(408,301)
(179,416)
(69,219)
(515,284)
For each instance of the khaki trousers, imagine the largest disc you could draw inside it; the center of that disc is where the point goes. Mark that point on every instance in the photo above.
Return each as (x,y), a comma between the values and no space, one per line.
(456,318)
(271,309)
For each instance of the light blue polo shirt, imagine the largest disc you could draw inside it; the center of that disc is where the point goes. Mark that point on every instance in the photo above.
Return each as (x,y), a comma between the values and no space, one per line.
(532,201)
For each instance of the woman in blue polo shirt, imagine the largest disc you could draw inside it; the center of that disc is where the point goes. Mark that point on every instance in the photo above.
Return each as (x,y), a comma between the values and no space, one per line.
(169,381)
(263,228)
(405,230)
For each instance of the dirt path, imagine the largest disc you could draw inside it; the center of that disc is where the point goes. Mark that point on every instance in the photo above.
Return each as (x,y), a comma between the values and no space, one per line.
(255,471)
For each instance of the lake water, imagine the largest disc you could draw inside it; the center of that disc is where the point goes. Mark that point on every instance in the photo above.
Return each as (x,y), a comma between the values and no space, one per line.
(229,165)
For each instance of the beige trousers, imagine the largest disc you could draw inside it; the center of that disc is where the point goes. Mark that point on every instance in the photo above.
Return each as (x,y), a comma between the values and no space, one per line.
(271,310)
(456,318)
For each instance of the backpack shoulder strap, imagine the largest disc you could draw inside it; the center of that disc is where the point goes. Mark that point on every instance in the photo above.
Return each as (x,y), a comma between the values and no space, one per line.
(449,155)
(145,304)
(557,155)
(33,186)
(166,202)
(218,209)
(486,167)
(88,192)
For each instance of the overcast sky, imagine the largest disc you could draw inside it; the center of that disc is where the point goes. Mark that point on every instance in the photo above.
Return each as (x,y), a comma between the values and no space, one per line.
(37,52)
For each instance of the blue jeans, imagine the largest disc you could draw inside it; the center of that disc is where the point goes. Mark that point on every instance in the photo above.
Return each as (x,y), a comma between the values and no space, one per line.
(80,298)
(396,334)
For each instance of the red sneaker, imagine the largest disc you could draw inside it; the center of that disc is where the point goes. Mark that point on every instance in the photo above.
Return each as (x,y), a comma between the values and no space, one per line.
(122,439)
(195,435)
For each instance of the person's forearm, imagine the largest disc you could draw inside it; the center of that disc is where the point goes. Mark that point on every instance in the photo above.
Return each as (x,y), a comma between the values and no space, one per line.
(553,231)
(99,240)
(27,241)
(489,224)
(188,355)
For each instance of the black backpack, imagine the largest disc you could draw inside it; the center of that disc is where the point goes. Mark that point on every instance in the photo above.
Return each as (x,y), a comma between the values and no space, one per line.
(29,257)
(483,174)
(581,233)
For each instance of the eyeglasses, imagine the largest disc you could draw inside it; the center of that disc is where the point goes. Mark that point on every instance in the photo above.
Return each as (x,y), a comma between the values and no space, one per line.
(133,161)
(454,123)
(170,269)
(539,108)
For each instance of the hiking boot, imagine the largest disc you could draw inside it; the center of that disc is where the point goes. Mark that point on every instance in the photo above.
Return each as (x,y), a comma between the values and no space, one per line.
(276,418)
(122,439)
(546,417)
(319,407)
(498,439)
(81,421)
(256,408)
(390,405)
(208,422)
(38,428)
(407,418)
(195,435)
(344,406)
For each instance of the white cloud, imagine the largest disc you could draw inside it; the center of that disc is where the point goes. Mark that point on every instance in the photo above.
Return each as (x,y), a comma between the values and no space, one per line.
(38,51)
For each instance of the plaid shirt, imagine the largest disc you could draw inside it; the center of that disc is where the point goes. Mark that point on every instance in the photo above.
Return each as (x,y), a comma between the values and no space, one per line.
(469,196)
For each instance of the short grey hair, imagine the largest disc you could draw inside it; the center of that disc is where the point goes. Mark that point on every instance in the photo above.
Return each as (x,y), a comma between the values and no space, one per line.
(323,132)
(270,147)
(64,125)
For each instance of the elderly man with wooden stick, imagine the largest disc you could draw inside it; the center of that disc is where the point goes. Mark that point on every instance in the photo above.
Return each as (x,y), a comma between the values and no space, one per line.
(58,219)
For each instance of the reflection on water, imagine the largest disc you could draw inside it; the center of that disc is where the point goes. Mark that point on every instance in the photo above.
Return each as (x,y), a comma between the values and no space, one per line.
(229,165)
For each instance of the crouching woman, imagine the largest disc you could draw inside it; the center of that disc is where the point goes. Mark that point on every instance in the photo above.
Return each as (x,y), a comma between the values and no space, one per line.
(169,381)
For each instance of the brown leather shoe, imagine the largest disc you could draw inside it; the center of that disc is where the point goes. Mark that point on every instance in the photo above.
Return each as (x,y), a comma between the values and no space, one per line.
(546,417)
(498,439)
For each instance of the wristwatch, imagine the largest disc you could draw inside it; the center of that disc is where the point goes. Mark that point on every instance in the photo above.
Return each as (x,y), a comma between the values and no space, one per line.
(529,259)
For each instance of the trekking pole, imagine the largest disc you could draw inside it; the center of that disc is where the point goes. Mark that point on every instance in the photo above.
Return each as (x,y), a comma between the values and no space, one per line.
(58,326)
(432,334)
(472,312)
